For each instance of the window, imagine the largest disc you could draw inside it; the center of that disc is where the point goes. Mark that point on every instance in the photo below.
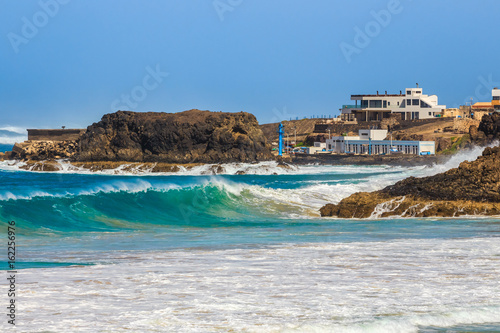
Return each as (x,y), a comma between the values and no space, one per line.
(364,104)
(496,98)
(424,105)
(385,104)
(408,92)
(416,102)
(430,113)
(398,103)
(418,92)
(375,104)
(389,103)
(408,102)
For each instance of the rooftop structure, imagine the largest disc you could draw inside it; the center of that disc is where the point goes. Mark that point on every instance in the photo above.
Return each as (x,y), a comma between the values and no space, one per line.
(413,104)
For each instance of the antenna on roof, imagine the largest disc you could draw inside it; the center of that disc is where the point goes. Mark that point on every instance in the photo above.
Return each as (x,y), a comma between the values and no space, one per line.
(417,84)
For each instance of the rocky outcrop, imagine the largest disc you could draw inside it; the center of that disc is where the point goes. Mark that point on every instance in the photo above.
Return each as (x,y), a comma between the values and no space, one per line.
(43,150)
(487,131)
(187,137)
(472,188)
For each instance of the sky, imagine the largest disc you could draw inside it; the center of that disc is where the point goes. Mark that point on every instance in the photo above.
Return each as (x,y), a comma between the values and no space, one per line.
(69,62)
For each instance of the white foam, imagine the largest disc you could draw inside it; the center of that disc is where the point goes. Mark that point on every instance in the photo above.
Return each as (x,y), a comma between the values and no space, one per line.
(386,286)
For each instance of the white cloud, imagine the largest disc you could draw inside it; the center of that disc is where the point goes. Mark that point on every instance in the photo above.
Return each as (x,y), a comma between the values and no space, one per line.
(16,129)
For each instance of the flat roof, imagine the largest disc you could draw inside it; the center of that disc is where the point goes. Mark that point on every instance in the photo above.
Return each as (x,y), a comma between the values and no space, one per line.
(380,95)
(482,104)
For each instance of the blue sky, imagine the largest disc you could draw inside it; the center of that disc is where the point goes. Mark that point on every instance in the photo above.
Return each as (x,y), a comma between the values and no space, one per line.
(68,62)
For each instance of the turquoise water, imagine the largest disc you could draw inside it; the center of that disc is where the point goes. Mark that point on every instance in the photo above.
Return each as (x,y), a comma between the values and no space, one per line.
(223,253)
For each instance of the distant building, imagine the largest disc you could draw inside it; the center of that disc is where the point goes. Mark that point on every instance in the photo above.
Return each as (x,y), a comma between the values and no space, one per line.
(495,98)
(372,141)
(54,134)
(413,104)
(455,113)
(487,107)
(483,106)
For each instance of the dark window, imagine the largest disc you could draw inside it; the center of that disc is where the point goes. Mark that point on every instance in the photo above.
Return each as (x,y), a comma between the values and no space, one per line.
(408,92)
(430,113)
(408,102)
(424,105)
(418,91)
(364,104)
(375,104)
(496,98)
(398,103)
(385,104)
(416,102)
(389,103)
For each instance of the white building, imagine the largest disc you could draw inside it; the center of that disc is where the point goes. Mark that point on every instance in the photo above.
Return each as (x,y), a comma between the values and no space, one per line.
(413,104)
(495,98)
(372,142)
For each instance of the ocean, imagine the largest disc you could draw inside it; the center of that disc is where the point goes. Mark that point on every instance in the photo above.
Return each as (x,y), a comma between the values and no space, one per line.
(195,252)
(5,147)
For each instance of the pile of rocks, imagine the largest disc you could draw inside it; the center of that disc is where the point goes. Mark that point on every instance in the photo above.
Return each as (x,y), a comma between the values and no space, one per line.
(43,150)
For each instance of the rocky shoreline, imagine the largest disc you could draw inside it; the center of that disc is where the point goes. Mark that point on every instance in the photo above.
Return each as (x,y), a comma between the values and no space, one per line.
(471,189)
(187,137)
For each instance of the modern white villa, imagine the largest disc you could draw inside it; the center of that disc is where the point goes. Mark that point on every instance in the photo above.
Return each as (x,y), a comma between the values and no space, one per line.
(413,104)
(371,141)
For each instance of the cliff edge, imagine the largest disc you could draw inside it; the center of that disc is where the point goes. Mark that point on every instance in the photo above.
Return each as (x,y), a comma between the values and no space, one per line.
(192,136)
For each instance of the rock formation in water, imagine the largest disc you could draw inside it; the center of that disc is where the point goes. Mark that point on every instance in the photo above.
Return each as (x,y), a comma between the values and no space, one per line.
(488,130)
(471,189)
(186,137)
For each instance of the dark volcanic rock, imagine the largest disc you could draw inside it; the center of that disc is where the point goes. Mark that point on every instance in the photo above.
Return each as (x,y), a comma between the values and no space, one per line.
(187,137)
(488,130)
(478,180)
(472,188)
